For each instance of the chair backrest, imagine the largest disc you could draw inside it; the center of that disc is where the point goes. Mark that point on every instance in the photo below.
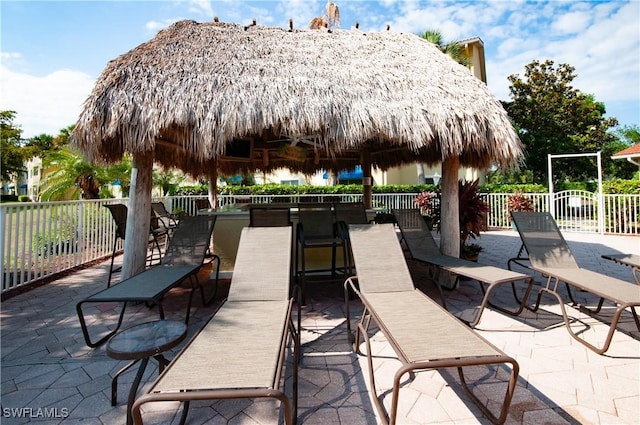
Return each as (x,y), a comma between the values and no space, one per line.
(379,260)
(119,215)
(190,241)
(350,212)
(262,270)
(159,209)
(202,204)
(316,219)
(265,216)
(543,240)
(417,235)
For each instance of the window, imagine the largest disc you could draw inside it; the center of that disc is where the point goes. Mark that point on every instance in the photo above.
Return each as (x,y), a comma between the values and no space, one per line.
(290,182)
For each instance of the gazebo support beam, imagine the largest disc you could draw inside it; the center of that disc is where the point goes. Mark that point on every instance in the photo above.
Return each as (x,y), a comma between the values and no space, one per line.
(136,242)
(367,181)
(213,184)
(449,209)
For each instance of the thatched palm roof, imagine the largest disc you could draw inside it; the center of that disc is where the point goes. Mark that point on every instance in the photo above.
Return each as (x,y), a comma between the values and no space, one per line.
(195,87)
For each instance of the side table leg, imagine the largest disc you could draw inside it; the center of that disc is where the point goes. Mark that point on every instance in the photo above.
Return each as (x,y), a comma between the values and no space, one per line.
(162,362)
(134,388)
(114,382)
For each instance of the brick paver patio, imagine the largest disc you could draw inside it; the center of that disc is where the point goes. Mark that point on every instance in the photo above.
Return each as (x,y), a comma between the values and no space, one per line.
(47,370)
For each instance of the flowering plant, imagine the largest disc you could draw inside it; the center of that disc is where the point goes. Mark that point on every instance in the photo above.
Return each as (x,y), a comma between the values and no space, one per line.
(429,204)
(519,202)
(473,211)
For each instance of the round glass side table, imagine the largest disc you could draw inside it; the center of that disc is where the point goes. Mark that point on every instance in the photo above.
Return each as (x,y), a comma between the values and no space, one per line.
(139,343)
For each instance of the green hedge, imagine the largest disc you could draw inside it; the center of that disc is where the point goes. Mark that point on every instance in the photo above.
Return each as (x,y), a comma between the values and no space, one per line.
(619,186)
(276,189)
(616,186)
(512,188)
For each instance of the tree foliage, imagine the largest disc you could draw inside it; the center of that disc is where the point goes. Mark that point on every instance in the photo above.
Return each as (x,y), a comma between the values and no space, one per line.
(627,136)
(552,117)
(11,142)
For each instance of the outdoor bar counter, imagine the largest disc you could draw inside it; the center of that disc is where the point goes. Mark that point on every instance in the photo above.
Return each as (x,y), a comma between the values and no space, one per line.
(232,218)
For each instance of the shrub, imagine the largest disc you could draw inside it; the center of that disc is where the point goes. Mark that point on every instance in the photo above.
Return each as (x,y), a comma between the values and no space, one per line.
(620,186)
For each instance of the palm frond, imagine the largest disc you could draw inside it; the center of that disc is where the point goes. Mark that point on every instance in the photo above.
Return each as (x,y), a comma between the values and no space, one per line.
(433,36)
(333,15)
(317,23)
(457,52)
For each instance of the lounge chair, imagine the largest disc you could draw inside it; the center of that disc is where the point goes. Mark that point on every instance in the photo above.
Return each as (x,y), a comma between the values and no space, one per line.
(241,351)
(422,333)
(156,232)
(423,248)
(631,260)
(183,259)
(549,254)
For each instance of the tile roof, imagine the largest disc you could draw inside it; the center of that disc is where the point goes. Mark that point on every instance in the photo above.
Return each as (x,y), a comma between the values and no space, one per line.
(630,151)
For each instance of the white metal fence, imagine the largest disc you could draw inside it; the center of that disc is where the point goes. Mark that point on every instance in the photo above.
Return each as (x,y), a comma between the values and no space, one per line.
(41,239)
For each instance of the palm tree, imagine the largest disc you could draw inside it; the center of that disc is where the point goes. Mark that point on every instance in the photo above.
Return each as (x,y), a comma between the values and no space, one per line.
(168,180)
(67,175)
(330,20)
(454,49)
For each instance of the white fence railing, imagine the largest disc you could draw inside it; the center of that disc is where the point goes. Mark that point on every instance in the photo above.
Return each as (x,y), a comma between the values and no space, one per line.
(41,239)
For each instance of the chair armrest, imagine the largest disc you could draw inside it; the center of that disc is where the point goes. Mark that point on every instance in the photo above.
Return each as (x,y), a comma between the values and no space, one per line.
(342,229)
(300,233)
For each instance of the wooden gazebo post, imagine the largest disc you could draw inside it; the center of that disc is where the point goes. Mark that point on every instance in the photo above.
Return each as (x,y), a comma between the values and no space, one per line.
(213,184)
(367,181)
(449,211)
(136,242)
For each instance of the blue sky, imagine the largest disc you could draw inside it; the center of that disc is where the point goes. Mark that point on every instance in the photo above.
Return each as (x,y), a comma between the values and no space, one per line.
(52,52)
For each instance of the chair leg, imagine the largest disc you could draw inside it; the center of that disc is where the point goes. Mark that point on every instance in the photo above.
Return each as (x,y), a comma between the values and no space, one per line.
(334,248)
(303,278)
(113,255)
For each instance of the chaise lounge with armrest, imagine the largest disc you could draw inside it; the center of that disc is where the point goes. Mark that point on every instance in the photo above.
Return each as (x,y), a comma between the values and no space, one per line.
(423,248)
(183,259)
(422,333)
(241,351)
(549,254)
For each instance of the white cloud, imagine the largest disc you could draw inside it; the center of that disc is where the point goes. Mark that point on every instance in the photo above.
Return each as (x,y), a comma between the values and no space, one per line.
(201,7)
(600,40)
(154,26)
(44,104)
(10,56)
(571,23)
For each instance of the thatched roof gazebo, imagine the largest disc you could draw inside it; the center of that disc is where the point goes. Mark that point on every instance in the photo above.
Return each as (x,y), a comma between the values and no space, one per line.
(209,97)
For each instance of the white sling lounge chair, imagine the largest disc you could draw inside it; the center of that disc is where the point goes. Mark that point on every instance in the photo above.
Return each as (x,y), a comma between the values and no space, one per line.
(550,255)
(422,333)
(418,239)
(241,351)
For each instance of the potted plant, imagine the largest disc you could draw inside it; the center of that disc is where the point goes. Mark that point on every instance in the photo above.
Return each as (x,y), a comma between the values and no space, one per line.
(473,211)
(429,205)
(518,202)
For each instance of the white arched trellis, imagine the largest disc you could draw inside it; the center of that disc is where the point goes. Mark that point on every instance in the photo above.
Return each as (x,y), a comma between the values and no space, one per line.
(600,196)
